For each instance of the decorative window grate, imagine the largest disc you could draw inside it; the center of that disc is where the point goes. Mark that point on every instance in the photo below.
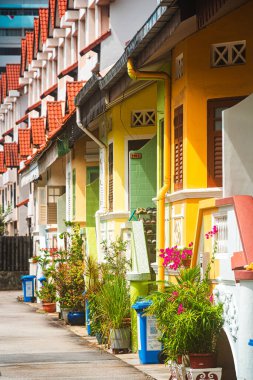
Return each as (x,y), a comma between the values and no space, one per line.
(229,53)
(222,239)
(179,66)
(143,118)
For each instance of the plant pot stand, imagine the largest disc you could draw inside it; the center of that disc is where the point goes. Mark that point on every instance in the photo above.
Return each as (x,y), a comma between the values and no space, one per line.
(180,372)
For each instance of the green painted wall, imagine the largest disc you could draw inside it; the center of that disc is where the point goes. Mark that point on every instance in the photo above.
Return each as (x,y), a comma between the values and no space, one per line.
(143,176)
(92,202)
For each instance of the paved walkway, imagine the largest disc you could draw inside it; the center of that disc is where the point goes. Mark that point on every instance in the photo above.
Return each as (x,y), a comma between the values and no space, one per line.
(38,346)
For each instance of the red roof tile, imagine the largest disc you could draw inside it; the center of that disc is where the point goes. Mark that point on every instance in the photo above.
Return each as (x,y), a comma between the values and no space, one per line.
(52,4)
(62,7)
(2,165)
(11,155)
(95,43)
(23,55)
(43,14)
(36,106)
(23,203)
(4,86)
(54,115)
(8,133)
(72,90)
(69,70)
(23,119)
(29,46)
(36,36)
(24,141)
(50,91)
(38,130)
(12,72)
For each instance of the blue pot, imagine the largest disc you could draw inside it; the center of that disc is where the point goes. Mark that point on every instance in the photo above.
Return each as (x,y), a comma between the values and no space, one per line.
(76,318)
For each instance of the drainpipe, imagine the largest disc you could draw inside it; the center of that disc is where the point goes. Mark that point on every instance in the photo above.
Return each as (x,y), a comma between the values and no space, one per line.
(161,76)
(102,146)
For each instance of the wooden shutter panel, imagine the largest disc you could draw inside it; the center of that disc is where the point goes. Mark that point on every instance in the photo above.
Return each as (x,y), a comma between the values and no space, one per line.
(110,162)
(178,146)
(214,138)
(42,205)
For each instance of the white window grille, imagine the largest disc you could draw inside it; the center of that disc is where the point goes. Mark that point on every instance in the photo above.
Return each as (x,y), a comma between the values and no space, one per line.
(229,53)
(143,118)
(221,221)
(179,66)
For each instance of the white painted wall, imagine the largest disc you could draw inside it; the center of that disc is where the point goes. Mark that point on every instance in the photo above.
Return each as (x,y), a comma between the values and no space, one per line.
(123,28)
(237,149)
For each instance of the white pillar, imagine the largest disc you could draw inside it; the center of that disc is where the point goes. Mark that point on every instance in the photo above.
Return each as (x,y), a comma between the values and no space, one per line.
(245,352)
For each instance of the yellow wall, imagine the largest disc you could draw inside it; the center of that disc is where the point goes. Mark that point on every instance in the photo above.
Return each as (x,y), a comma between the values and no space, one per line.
(121,131)
(79,164)
(200,82)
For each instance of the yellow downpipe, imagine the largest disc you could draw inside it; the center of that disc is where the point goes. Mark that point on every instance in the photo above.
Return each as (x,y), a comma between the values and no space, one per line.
(161,76)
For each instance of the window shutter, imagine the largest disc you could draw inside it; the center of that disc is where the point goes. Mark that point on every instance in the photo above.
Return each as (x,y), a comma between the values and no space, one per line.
(74,193)
(178,146)
(42,205)
(214,138)
(110,162)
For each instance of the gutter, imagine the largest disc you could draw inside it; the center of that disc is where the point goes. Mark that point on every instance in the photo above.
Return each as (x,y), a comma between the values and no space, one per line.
(159,76)
(102,208)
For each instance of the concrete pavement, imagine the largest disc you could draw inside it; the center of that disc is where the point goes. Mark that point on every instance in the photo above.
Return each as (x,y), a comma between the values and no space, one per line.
(37,346)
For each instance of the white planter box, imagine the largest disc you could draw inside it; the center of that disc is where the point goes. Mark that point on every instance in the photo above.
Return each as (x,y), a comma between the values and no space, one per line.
(180,372)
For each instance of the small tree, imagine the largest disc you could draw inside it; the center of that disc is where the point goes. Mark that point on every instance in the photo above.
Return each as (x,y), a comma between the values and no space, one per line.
(3,215)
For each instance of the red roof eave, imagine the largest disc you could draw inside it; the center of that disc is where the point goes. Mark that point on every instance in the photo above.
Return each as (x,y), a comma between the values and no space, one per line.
(23,203)
(95,43)
(9,132)
(68,70)
(33,107)
(49,91)
(23,119)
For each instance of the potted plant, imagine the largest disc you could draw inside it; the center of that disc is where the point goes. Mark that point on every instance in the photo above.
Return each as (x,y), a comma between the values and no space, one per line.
(47,294)
(189,320)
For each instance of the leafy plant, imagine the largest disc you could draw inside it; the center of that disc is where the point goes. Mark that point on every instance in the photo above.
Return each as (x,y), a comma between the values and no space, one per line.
(47,292)
(3,215)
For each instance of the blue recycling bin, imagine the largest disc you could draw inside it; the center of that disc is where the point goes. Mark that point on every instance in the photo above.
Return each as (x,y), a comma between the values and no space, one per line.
(250,342)
(87,317)
(28,287)
(149,347)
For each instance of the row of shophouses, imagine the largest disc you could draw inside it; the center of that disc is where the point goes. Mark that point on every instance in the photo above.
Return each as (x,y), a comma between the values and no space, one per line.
(117,106)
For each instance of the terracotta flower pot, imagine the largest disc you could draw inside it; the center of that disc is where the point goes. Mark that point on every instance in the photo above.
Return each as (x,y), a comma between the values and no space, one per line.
(49,307)
(203,360)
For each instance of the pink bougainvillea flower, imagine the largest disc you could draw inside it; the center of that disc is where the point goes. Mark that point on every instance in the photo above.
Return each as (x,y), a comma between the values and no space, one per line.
(211,299)
(180,309)
(175,293)
(191,244)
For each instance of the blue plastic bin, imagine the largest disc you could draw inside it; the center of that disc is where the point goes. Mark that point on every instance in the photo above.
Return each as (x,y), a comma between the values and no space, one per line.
(87,317)
(42,279)
(28,287)
(149,347)
(250,342)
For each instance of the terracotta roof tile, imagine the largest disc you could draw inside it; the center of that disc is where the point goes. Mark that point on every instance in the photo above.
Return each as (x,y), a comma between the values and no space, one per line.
(23,203)
(4,86)
(52,4)
(50,91)
(72,90)
(54,115)
(11,155)
(12,72)
(36,106)
(29,46)
(43,14)
(23,55)
(38,130)
(36,35)
(24,141)
(8,133)
(2,164)
(23,119)
(95,43)
(62,7)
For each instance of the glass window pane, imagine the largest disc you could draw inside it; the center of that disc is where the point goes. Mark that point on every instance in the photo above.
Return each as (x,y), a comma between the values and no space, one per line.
(51,199)
(57,191)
